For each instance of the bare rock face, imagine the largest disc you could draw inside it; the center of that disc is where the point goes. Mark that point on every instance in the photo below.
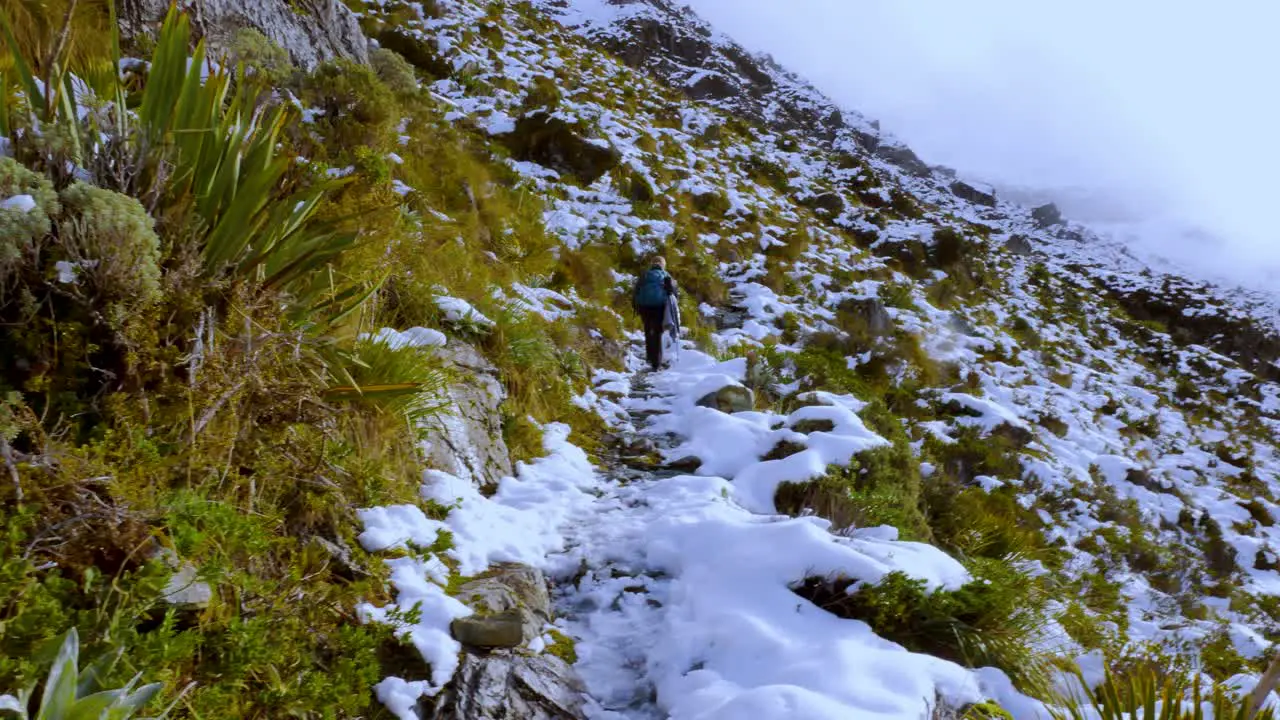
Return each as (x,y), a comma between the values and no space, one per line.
(1046,216)
(497,680)
(312,31)
(973,193)
(465,439)
(505,685)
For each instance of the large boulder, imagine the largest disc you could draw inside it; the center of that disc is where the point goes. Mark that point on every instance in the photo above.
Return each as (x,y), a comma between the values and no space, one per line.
(1018,245)
(905,158)
(828,203)
(872,312)
(505,685)
(730,399)
(465,438)
(1046,216)
(511,607)
(553,143)
(974,194)
(311,31)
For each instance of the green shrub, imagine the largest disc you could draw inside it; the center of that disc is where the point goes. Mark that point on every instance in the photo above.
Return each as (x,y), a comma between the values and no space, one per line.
(1151,696)
(409,381)
(111,237)
(394,71)
(22,229)
(359,109)
(992,621)
(544,94)
(264,61)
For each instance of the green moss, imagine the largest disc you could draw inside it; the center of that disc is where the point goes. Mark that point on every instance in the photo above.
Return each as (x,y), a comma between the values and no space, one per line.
(562,647)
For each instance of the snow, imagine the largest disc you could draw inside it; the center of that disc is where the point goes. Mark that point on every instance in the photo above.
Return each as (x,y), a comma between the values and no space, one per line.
(19,203)
(521,521)
(457,310)
(415,337)
(689,590)
(68,272)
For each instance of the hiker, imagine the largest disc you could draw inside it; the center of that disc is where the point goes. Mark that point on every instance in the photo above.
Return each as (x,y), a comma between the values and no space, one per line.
(653,290)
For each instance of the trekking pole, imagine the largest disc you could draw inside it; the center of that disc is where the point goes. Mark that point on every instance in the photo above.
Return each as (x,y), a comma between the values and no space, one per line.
(1265,685)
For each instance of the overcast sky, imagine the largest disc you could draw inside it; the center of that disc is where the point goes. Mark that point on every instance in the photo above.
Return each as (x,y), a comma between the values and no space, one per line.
(1170,107)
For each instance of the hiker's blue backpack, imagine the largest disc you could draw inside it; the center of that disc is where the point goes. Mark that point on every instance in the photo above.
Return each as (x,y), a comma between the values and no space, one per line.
(651,291)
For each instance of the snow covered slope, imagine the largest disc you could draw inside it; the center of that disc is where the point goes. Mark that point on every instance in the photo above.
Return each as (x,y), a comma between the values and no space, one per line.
(1032,399)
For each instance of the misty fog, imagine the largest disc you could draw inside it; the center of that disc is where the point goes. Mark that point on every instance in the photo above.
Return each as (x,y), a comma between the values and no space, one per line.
(1155,121)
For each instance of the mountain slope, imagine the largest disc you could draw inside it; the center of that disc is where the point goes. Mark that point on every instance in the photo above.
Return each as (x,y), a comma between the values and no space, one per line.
(910,421)
(1125,414)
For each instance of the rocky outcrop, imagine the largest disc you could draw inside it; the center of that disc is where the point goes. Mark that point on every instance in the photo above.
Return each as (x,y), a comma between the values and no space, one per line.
(1046,216)
(871,312)
(904,157)
(554,143)
(828,203)
(311,31)
(973,194)
(1190,320)
(496,678)
(1018,245)
(671,42)
(465,439)
(505,685)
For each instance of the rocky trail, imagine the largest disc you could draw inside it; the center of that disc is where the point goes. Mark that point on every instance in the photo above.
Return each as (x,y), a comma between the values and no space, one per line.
(607,592)
(679,596)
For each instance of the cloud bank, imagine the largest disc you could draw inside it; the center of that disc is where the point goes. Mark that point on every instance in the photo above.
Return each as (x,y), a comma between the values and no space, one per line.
(1155,119)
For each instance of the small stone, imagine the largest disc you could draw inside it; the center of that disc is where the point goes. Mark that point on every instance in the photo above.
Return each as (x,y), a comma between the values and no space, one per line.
(687,464)
(730,399)
(502,630)
(872,312)
(185,591)
(508,591)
